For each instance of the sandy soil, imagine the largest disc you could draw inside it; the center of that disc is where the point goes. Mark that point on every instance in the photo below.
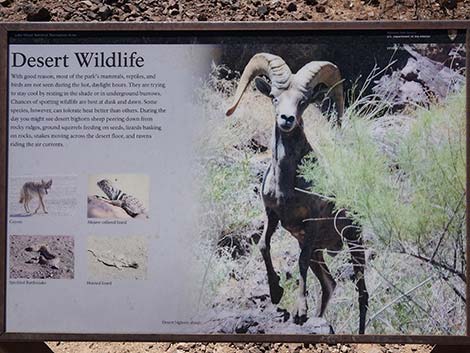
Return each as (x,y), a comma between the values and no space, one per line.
(24,259)
(117,258)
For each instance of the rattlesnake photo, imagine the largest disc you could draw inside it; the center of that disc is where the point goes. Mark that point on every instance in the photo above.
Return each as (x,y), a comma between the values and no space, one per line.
(45,257)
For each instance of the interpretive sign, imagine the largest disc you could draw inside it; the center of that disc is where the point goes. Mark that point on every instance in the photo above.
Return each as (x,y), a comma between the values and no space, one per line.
(218,182)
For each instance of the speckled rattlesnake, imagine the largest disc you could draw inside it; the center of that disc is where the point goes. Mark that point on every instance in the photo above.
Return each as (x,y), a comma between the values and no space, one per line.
(45,257)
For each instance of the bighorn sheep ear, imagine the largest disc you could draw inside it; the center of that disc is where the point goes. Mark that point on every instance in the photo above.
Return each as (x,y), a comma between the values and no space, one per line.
(321,72)
(262,64)
(263,86)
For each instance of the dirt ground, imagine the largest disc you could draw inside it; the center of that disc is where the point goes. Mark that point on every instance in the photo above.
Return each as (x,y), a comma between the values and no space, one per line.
(26,262)
(91,347)
(231,10)
(117,258)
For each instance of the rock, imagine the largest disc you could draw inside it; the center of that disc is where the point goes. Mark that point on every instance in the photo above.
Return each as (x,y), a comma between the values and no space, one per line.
(164,346)
(37,14)
(235,6)
(255,349)
(172,4)
(185,347)
(311,2)
(87,3)
(5,3)
(105,12)
(92,15)
(142,7)
(174,12)
(292,7)
(449,4)
(201,17)
(320,9)
(262,10)
(243,326)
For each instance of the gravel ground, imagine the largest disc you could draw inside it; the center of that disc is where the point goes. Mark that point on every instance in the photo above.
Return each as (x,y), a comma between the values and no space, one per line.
(90,347)
(231,10)
(26,262)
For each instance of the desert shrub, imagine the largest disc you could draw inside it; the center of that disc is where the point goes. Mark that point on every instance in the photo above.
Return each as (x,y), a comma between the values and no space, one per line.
(400,176)
(411,193)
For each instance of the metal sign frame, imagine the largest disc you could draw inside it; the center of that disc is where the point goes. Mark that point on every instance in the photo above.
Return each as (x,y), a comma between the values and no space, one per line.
(232,28)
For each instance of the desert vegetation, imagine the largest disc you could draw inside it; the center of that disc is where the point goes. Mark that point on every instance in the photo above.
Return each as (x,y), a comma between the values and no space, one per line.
(400,174)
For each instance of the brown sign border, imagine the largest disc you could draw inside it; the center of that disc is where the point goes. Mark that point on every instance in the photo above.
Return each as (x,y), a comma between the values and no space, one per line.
(180,27)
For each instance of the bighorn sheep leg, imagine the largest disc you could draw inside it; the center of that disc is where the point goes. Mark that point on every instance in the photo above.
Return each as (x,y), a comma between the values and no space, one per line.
(270,224)
(300,315)
(358,259)
(327,283)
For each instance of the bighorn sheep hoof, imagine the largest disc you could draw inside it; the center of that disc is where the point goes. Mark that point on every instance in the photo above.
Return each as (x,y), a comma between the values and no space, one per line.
(276,292)
(300,319)
(300,314)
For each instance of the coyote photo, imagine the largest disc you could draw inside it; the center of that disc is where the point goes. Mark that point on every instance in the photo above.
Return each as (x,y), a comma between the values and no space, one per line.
(33,189)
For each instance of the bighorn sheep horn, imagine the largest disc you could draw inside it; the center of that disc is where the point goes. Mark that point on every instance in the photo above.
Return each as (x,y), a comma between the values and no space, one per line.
(262,64)
(316,72)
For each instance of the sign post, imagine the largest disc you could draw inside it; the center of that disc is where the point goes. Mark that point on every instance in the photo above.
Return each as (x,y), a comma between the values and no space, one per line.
(17,347)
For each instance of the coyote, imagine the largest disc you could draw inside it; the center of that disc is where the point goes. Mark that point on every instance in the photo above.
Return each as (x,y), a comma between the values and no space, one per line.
(33,189)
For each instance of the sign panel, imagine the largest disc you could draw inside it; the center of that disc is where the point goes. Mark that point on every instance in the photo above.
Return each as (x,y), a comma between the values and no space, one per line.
(231,182)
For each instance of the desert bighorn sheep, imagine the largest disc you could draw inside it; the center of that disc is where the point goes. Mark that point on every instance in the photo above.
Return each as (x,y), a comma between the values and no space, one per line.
(309,218)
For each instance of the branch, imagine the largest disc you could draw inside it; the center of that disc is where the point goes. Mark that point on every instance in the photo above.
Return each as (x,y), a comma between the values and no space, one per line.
(456,291)
(446,228)
(436,321)
(461,275)
(398,299)
(315,194)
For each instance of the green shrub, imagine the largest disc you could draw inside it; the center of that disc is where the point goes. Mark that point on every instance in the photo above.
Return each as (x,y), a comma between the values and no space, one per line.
(401,177)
